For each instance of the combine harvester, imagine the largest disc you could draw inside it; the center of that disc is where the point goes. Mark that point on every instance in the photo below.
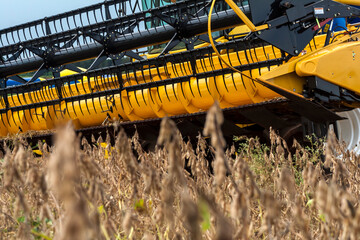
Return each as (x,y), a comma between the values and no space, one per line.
(267,62)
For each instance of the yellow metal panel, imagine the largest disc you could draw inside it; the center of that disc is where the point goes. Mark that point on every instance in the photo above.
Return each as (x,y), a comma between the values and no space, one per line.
(338,64)
(349,2)
(195,96)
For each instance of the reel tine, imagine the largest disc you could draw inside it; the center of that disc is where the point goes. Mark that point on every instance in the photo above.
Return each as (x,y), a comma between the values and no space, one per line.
(69,85)
(73,107)
(82,84)
(79,102)
(29,110)
(23,96)
(12,36)
(107,102)
(192,93)
(55,111)
(237,55)
(86,104)
(37,97)
(1,40)
(30,32)
(100,102)
(96,82)
(35,113)
(256,57)
(183,68)
(211,60)
(76,83)
(7,118)
(19,118)
(113,81)
(151,96)
(81,20)
(232,73)
(61,24)
(13,119)
(167,95)
(168,74)
(7,39)
(233,80)
(23,32)
(102,13)
(264,52)
(18,99)
(48,111)
(247,57)
(119,79)
(144,78)
(107,80)
(203,64)
(93,103)
(50,91)
(251,55)
(159,74)
(274,52)
(174,68)
(2,119)
(87,17)
(133,9)
(110,81)
(142,91)
(54,24)
(198,85)
(102,81)
(11,98)
(41,92)
(94,12)
(174,91)
(207,85)
(66,110)
(117,10)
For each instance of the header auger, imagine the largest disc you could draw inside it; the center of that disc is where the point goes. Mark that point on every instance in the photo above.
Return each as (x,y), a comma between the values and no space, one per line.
(272,63)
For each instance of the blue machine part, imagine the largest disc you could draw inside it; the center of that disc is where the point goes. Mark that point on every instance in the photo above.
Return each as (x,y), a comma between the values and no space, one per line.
(339,24)
(11,83)
(354,20)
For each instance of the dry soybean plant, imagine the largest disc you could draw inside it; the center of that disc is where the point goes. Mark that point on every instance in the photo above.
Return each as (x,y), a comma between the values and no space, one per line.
(94,190)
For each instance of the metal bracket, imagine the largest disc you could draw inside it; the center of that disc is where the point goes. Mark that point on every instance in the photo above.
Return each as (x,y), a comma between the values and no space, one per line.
(109,51)
(312,129)
(244,18)
(2,83)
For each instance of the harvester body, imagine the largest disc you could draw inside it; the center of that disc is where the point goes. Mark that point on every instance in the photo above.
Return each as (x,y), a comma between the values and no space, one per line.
(272,63)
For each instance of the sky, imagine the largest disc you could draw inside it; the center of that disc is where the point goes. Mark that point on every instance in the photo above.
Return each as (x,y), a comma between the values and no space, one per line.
(14,12)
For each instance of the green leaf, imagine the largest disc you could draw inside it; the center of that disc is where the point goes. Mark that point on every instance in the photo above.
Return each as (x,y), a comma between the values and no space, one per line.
(310,202)
(205,215)
(21,219)
(41,235)
(322,217)
(140,205)
(48,221)
(101,209)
